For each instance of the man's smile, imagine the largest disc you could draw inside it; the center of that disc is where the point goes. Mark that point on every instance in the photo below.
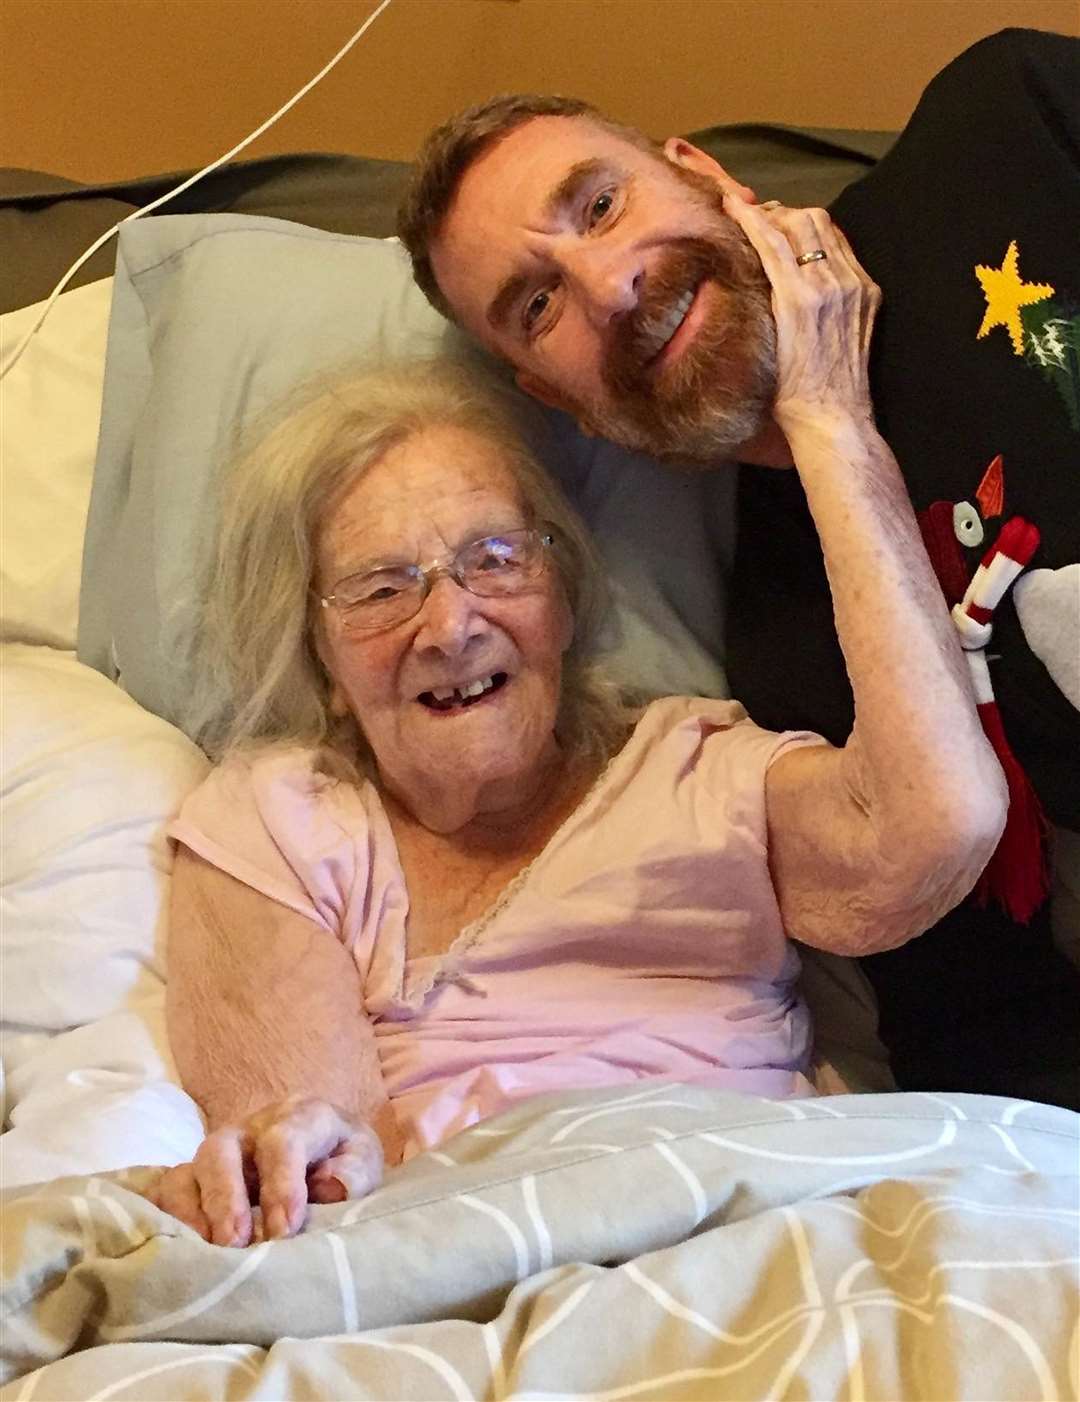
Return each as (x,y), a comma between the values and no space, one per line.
(654,333)
(692,312)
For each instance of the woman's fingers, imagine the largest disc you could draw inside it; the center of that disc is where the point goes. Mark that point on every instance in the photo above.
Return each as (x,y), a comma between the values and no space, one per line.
(871,300)
(177,1193)
(795,232)
(804,231)
(819,231)
(219,1172)
(282,1157)
(301,1135)
(352,1171)
(779,234)
(824,308)
(813,231)
(763,231)
(285,1155)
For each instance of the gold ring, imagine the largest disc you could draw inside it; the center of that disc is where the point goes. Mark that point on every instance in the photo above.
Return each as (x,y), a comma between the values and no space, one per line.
(814,256)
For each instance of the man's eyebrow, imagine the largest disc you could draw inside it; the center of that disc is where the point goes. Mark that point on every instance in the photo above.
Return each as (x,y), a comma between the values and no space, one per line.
(502,303)
(577,178)
(565,195)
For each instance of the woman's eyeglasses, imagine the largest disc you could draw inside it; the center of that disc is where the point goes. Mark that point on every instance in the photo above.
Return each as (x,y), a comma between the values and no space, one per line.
(495,566)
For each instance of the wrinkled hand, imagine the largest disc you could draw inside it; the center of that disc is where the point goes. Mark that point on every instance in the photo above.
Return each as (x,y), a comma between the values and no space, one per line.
(283,1156)
(824,310)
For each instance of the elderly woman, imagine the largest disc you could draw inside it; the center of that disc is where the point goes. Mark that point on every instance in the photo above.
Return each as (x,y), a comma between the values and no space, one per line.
(441,866)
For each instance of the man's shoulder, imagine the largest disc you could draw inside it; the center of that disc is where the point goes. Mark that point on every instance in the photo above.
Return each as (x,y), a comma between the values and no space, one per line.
(1005,70)
(1017,41)
(1004,115)
(1015,50)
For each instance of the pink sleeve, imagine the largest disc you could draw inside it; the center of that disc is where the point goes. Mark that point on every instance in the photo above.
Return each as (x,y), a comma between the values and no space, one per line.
(720,753)
(269,820)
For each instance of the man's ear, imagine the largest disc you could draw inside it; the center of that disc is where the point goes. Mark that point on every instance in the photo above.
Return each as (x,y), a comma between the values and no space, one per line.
(547,394)
(683,153)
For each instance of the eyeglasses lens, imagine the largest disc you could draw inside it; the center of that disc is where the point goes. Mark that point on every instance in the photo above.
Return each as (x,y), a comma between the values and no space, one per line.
(497,565)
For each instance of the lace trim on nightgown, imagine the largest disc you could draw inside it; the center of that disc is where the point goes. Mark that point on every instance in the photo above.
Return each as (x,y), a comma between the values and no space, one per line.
(445,968)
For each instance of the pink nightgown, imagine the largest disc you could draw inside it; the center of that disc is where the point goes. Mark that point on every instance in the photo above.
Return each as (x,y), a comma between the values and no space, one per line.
(643,942)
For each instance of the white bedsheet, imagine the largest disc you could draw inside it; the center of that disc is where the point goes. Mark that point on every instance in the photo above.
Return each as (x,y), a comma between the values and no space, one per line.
(99,1097)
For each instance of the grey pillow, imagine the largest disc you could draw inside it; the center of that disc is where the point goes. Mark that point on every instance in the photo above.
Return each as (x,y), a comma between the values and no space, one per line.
(215,317)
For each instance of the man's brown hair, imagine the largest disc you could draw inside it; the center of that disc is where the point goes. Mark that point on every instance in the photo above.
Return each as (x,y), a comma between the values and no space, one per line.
(452,148)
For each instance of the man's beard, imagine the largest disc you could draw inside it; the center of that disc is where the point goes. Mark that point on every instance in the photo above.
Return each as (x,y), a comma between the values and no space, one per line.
(719,392)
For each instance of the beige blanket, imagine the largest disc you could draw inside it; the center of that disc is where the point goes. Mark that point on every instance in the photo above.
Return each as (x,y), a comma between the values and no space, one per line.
(669,1244)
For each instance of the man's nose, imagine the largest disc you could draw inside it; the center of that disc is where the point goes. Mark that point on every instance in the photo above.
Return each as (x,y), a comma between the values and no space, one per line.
(609,279)
(449,618)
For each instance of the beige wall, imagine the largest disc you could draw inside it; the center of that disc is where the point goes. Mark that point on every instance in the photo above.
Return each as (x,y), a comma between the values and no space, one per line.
(103,89)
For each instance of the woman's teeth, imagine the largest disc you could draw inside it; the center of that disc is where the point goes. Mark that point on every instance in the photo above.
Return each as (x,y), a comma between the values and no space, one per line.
(463,693)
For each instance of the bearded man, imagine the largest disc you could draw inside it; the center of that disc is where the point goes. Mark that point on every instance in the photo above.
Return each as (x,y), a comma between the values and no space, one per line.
(620,280)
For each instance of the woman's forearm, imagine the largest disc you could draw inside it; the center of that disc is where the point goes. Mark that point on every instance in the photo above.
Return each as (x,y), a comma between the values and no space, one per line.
(917,760)
(262,1004)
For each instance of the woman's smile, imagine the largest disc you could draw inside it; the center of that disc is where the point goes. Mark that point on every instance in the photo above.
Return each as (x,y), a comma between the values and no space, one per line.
(466,696)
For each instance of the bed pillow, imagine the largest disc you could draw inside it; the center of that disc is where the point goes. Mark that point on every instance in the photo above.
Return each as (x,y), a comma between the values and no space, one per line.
(214,318)
(89,782)
(51,408)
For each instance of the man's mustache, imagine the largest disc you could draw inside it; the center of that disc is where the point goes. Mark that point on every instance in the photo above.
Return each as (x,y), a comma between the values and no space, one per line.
(731,262)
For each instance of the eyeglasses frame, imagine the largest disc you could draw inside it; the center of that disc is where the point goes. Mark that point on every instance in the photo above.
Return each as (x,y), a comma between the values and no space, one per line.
(428,574)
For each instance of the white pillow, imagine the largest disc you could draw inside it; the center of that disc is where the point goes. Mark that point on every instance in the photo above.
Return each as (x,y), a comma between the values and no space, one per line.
(48,437)
(89,782)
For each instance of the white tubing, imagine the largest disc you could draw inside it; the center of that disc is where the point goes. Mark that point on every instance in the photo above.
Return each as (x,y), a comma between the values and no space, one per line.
(186,185)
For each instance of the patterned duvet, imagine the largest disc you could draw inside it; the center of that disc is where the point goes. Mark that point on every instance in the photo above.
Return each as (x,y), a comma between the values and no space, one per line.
(669,1244)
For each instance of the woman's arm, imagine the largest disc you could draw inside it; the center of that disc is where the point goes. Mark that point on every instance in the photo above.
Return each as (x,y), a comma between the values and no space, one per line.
(262,1003)
(267,1025)
(872,843)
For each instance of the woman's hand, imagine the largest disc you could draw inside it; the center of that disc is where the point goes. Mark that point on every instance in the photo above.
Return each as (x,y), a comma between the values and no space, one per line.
(824,311)
(283,1156)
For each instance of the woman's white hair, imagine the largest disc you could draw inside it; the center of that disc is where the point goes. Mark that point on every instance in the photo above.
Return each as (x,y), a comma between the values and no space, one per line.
(259,675)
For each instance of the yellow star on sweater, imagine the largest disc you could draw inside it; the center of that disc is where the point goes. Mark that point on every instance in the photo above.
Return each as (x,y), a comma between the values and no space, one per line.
(1006,292)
